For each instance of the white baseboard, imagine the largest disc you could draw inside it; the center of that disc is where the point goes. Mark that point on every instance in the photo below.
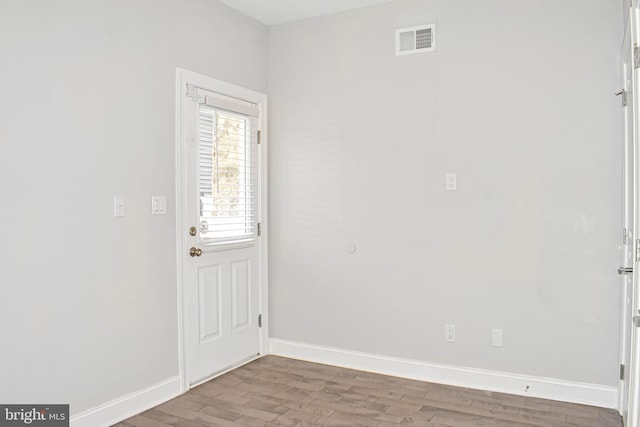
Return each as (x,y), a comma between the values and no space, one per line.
(524,385)
(129,405)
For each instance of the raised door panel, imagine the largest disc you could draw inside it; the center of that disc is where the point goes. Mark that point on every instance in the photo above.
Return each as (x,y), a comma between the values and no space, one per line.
(210,300)
(241,294)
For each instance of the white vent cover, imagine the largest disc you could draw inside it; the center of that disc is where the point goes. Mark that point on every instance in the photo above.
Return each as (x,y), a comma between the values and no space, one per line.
(416,39)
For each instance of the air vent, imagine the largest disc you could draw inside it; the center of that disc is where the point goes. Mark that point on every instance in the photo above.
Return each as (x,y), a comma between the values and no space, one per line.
(416,39)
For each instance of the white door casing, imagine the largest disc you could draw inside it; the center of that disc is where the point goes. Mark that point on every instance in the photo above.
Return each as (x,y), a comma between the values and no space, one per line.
(223,288)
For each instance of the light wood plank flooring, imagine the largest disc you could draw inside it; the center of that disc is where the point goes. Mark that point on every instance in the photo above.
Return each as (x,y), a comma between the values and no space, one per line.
(275,391)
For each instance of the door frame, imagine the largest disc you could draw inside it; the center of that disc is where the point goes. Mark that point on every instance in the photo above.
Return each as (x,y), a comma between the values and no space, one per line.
(184,77)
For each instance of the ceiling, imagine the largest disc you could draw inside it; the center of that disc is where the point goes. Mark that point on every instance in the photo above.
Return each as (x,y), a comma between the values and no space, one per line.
(274,12)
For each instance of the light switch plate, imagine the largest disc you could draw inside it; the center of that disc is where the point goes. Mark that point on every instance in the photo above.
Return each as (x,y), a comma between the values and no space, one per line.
(158,205)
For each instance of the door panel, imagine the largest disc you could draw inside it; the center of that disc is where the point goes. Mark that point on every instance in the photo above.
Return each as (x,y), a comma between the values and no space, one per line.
(241,287)
(210,300)
(626,280)
(227,310)
(631,383)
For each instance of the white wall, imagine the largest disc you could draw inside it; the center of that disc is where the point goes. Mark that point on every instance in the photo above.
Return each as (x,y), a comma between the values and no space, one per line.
(87,112)
(518,101)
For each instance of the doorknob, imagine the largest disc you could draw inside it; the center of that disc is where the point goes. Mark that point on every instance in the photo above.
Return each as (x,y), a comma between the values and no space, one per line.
(195,252)
(625,270)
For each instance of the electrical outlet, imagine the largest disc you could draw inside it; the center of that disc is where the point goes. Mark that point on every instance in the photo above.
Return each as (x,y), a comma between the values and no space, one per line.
(118,206)
(496,337)
(451,182)
(450,333)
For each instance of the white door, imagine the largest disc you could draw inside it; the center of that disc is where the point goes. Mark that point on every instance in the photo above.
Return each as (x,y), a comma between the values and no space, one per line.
(631,407)
(220,208)
(627,248)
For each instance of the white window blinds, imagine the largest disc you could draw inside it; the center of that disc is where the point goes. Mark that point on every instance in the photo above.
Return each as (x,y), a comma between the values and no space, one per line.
(227,169)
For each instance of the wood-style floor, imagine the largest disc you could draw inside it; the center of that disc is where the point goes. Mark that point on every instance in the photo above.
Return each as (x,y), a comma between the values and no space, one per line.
(275,391)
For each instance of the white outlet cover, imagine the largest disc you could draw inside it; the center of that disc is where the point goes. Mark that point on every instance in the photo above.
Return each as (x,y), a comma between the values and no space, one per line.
(496,337)
(451,181)
(450,333)
(118,206)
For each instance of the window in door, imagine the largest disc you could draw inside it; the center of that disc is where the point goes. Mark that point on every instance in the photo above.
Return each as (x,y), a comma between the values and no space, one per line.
(227,170)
